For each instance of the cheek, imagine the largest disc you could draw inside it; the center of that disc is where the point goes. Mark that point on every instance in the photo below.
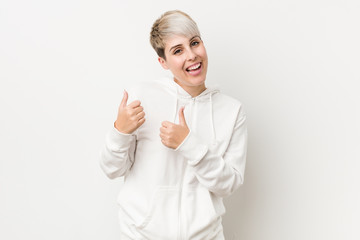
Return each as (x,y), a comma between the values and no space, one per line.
(177,64)
(203,53)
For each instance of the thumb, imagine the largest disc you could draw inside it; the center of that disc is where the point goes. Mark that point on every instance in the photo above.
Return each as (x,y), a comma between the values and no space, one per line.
(182,120)
(124,99)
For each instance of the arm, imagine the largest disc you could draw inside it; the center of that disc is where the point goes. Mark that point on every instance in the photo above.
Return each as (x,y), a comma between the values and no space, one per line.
(117,155)
(221,175)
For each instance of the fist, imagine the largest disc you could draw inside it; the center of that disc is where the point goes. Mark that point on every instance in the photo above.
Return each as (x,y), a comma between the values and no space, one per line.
(171,134)
(130,117)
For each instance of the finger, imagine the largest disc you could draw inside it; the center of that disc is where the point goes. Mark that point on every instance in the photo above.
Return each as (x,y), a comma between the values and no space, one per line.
(166,124)
(164,142)
(138,110)
(182,120)
(134,104)
(124,99)
(162,136)
(140,115)
(141,122)
(163,130)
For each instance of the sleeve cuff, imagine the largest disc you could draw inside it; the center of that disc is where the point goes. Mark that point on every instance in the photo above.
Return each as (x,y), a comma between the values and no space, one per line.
(119,140)
(192,149)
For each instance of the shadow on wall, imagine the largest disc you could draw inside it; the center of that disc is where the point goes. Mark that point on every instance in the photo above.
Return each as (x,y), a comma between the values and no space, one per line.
(234,220)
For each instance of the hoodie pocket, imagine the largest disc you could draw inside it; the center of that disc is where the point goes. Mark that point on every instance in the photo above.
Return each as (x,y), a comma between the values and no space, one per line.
(161,221)
(201,214)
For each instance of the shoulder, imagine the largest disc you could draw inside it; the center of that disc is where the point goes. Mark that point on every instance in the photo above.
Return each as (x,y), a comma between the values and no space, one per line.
(228,103)
(152,91)
(145,87)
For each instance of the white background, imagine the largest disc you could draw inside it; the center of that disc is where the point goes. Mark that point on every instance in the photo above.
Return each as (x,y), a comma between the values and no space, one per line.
(293,64)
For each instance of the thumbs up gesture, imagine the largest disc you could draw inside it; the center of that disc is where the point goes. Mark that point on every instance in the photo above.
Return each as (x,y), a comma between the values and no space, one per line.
(130,117)
(171,134)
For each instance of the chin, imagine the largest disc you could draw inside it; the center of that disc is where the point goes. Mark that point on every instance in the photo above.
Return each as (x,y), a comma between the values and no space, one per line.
(197,81)
(190,82)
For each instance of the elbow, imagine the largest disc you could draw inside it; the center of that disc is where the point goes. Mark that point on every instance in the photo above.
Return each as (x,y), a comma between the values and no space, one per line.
(109,169)
(111,174)
(238,182)
(228,189)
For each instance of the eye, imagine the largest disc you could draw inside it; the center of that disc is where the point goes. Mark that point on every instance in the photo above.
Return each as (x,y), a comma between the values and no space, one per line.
(194,43)
(177,51)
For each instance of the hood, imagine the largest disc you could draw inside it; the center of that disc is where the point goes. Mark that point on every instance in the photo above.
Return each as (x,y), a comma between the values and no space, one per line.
(180,93)
(183,98)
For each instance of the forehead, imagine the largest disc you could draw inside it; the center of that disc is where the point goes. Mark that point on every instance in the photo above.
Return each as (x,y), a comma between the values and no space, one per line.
(174,40)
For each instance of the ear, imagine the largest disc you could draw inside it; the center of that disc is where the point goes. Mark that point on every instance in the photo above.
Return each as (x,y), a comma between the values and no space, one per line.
(163,63)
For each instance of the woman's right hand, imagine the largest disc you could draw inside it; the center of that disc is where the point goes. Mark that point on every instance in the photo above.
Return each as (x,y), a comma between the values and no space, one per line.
(130,117)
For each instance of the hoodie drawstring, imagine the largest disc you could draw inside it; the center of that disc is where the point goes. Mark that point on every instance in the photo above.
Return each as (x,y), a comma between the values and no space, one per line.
(212,121)
(176,106)
(206,97)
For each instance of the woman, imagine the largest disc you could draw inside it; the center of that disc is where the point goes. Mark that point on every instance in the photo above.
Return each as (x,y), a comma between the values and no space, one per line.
(188,154)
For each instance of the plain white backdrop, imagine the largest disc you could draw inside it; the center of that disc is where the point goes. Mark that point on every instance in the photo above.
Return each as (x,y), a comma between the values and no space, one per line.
(294,65)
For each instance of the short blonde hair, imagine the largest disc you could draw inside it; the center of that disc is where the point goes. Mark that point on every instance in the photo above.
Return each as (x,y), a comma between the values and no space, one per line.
(171,23)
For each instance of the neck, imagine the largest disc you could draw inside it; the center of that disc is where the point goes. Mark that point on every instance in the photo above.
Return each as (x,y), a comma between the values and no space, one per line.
(194,91)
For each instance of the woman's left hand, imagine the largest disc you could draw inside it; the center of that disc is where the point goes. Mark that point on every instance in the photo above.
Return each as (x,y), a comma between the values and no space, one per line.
(171,134)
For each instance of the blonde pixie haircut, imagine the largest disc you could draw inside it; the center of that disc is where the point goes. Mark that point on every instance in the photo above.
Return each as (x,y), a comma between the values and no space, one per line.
(171,23)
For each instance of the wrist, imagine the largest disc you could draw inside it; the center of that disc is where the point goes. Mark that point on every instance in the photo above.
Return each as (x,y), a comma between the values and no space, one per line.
(119,129)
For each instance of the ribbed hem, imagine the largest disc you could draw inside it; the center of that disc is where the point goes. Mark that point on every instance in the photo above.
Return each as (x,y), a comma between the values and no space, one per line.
(119,139)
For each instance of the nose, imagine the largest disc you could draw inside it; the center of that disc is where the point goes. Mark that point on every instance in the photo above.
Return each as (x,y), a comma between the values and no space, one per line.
(191,56)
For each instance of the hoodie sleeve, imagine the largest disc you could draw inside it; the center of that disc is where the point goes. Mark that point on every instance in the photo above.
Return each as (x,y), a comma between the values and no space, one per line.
(220,174)
(117,154)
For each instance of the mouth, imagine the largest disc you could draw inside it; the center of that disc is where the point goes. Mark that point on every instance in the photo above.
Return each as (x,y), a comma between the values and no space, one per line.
(194,69)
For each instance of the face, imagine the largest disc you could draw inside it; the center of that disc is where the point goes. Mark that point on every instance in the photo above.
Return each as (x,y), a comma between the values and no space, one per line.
(186,58)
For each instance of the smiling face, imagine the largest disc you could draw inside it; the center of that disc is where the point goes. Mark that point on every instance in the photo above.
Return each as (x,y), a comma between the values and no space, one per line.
(186,58)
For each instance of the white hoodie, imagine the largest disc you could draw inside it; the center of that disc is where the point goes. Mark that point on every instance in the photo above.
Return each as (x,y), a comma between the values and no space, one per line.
(177,194)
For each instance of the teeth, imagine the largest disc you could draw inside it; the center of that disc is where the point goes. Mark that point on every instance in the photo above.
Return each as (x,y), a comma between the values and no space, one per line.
(194,67)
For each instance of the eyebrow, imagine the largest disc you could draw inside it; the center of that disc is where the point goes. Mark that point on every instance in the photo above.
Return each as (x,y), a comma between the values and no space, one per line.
(181,44)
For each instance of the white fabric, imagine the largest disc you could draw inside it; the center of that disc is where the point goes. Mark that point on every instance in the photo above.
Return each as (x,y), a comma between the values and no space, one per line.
(177,194)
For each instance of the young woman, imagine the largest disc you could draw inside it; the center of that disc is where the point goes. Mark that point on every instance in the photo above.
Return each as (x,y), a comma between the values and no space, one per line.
(188,154)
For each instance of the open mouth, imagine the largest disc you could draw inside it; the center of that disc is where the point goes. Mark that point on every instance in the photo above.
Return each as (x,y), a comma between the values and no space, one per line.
(193,67)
